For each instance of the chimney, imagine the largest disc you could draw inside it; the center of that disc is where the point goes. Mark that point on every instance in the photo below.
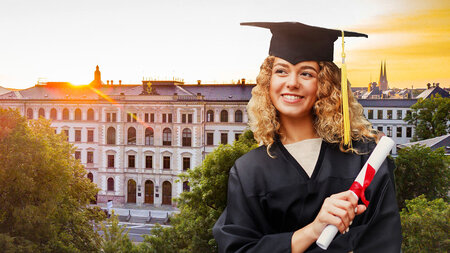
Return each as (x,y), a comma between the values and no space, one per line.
(243,81)
(120,82)
(111,82)
(437,84)
(199,82)
(428,85)
(107,82)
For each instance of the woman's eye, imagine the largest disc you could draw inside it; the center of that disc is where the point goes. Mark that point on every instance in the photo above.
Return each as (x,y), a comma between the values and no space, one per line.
(280,71)
(307,74)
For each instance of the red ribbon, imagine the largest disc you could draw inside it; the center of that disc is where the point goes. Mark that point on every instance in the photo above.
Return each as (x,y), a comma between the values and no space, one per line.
(358,189)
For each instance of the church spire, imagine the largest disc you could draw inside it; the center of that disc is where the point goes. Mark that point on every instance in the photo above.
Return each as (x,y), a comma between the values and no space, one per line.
(97,78)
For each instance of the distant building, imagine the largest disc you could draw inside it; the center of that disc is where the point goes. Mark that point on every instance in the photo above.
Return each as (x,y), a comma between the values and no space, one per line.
(383,82)
(433,90)
(433,143)
(4,90)
(134,140)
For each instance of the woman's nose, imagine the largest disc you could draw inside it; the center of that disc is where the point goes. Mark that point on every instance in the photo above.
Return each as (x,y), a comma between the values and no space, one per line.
(293,81)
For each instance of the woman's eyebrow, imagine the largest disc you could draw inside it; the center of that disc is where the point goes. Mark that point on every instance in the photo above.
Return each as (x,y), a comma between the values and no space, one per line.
(309,67)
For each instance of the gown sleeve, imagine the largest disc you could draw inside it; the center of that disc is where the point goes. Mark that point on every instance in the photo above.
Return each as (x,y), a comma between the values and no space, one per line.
(241,225)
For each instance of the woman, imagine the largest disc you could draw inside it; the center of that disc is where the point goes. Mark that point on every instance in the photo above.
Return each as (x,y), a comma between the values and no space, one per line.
(282,194)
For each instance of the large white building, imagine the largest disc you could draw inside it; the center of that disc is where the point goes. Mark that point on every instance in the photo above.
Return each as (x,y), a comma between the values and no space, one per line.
(135,140)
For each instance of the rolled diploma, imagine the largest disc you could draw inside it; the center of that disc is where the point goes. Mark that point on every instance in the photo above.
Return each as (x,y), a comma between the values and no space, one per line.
(375,160)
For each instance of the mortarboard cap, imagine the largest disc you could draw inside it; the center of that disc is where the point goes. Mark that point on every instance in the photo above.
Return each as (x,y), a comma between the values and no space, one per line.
(296,42)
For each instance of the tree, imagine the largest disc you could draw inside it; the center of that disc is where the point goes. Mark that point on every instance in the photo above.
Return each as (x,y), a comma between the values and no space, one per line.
(425,225)
(200,208)
(115,237)
(45,195)
(430,117)
(421,171)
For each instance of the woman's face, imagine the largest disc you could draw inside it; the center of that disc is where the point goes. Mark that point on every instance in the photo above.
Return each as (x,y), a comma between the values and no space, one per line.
(293,87)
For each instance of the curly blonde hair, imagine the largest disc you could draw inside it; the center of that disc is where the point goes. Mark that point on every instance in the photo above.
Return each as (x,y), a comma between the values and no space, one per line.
(327,111)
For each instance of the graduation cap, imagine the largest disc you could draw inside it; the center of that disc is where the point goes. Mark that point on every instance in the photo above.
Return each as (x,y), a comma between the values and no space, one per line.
(296,42)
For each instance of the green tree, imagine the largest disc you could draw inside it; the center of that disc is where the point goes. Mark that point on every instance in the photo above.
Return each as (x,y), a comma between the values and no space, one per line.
(200,208)
(430,117)
(425,225)
(115,237)
(421,170)
(45,195)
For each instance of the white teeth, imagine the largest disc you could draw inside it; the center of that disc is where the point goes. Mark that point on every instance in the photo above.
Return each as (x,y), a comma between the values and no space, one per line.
(292,97)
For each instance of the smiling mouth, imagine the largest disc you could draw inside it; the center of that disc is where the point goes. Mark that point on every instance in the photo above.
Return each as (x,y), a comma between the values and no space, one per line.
(292,97)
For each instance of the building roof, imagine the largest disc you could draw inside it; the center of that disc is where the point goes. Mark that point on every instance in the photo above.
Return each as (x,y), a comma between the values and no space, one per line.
(58,91)
(433,143)
(432,92)
(404,103)
(4,90)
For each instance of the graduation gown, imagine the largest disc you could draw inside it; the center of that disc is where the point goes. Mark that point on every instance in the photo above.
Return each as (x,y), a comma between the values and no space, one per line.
(270,198)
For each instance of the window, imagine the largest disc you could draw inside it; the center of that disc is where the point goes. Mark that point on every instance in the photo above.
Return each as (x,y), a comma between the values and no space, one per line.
(77,135)
(210,116)
(209,138)
(380,114)
(380,128)
(90,114)
(131,161)
(114,117)
(77,114)
(131,117)
(148,162)
(29,113)
(186,163)
(166,162)
(164,118)
(90,157)
(110,161)
(409,132)
(399,114)
(167,118)
(370,114)
(186,187)
(408,113)
(224,138)
(149,139)
(90,176)
(189,118)
(111,117)
(90,136)
(131,136)
(41,113)
(65,115)
(110,184)
(389,114)
(236,136)
(389,131)
(238,116)
(187,137)
(170,117)
(146,117)
(399,131)
(108,117)
(53,114)
(111,136)
(224,116)
(66,132)
(167,137)
(152,117)
(78,155)
(183,118)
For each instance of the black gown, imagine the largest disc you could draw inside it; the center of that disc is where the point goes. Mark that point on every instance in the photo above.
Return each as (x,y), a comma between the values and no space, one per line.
(269,199)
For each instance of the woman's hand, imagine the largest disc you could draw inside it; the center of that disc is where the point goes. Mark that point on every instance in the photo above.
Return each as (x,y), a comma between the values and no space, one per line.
(339,210)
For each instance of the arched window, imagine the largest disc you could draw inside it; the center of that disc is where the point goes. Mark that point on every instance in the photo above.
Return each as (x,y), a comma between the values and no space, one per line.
(90,114)
(210,116)
(53,114)
(149,139)
(187,137)
(65,114)
(90,176)
(131,136)
(77,114)
(238,116)
(167,137)
(224,116)
(29,113)
(167,193)
(111,136)
(41,113)
(110,184)
(186,187)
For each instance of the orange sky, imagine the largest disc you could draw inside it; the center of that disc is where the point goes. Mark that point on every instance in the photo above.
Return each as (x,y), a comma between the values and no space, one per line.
(194,40)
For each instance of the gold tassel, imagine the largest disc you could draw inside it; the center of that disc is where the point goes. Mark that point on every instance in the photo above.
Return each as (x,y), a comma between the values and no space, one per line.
(344,92)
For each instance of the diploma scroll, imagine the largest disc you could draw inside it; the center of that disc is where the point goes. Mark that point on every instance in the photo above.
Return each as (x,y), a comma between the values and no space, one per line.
(362,181)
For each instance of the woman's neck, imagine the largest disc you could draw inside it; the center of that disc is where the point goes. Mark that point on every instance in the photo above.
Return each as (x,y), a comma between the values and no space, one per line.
(297,129)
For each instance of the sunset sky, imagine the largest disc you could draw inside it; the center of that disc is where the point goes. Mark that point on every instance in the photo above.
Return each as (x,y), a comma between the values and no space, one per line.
(56,40)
